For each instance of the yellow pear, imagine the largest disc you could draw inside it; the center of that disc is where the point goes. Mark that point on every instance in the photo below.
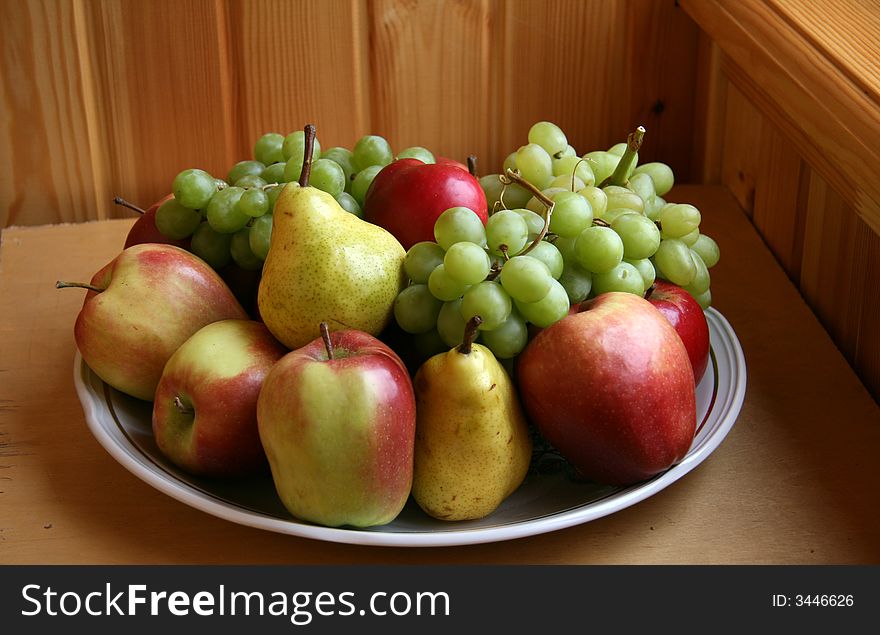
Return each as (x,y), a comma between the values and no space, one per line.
(326,265)
(473,446)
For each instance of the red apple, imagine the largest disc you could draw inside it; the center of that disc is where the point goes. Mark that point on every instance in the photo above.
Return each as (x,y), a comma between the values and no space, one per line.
(611,387)
(452,162)
(337,419)
(144,229)
(141,307)
(205,409)
(407,196)
(687,317)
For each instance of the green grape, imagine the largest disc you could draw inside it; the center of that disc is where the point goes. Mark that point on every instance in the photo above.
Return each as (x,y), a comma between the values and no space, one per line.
(572,214)
(346,201)
(548,254)
(509,339)
(371,150)
(535,165)
(568,152)
(515,196)
(490,301)
(466,263)
(249,181)
(242,168)
(574,165)
(702,280)
(526,279)
(673,258)
(193,188)
(416,309)
(639,234)
(679,219)
(551,308)
(707,249)
(653,209)
(343,158)
(602,164)
(642,185)
(328,176)
(688,239)
(242,254)
(443,286)
(273,193)
(660,173)
(267,149)
(704,299)
(624,277)
(293,170)
(273,173)
(450,323)
(417,152)
(577,282)
(565,246)
(421,259)
(618,149)
(597,198)
(509,162)
(223,213)
(254,202)
(611,215)
(211,246)
(260,236)
(598,249)
(535,204)
(534,221)
(646,268)
(570,183)
(176,221)
(362,181)
(622,197)
(294,147)
(549,136)
(459,224)
(492,187)
(506,227)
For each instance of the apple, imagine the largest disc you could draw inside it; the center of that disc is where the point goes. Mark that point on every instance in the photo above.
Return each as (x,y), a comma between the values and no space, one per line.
(205,408)
(687,318)
(337,420)
(452,162)
(611,387)
(407,196)
(144,228)
(141,307)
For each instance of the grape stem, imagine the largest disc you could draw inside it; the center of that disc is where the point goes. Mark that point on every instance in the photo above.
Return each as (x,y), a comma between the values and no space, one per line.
(309,131)
(470,334)
(633,144)
(121,201)
(472,165)
(77,285)
(513,176)
(325,335)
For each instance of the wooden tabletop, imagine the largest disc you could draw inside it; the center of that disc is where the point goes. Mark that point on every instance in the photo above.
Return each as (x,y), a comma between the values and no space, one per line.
(795,481)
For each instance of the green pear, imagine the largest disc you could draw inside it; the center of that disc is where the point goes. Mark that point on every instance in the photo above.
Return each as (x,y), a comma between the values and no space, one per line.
(326,265)
(472,447)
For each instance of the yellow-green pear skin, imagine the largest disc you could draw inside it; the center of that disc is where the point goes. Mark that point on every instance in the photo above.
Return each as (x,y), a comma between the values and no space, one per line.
(326,265)
(472,447)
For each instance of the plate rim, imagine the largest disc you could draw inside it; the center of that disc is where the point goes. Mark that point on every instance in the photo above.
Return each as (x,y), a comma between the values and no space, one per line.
(724,337)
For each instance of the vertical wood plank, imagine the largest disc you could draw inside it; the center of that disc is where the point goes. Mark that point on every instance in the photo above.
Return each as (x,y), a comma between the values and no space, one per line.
(740,161)
(710,111)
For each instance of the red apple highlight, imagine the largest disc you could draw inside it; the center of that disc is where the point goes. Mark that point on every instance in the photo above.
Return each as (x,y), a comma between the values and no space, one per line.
(611,387)
(407,196)
(205,409)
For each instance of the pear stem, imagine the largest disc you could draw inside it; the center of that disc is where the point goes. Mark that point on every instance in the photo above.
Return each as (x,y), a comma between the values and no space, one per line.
(121,201)
(633,144)
(182,408)
(309,131)
(77,285)
(325,335)
(470,334)
(513,176)
(472,165)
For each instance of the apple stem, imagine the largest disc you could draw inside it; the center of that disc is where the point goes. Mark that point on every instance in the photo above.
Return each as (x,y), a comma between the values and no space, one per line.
(182,408)
(325,335)
(633,144)
(121,201)
(513,176)
(470,334)
(472,165)
(309,131)
(77,285)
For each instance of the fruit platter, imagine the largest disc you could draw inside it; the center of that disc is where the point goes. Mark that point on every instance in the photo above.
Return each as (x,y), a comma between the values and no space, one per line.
(362,346)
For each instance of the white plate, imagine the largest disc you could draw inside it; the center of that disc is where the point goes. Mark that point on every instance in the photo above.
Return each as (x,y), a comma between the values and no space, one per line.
(548,500)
